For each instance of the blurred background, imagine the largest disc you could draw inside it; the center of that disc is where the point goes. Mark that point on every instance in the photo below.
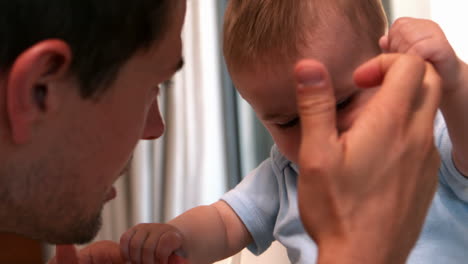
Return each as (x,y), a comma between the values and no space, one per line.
(213,138)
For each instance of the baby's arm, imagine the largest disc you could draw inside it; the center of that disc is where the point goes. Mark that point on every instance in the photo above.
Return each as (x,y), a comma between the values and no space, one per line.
(426,39)
(204,234)
(212,232)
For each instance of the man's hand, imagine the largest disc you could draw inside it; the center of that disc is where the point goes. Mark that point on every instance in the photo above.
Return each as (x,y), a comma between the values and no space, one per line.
(100,252)
(364,194)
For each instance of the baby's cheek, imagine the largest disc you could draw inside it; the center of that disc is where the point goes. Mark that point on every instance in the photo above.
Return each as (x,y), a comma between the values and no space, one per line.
(288,142)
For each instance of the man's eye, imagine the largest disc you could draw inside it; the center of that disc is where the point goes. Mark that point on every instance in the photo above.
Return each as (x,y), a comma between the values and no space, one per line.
(345,103)
(290,124)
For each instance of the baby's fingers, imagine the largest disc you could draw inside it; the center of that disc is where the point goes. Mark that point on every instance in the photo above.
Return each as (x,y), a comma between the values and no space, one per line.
(148,254)
(136,240)
(125,243)
(168,244)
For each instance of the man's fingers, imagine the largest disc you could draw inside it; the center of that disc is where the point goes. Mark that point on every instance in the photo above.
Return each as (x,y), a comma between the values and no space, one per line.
(99,252)
(66,254)
(316,105)
(373,72)
(430,101)
(394,106)
(399,90)
(102,252)
(318,152)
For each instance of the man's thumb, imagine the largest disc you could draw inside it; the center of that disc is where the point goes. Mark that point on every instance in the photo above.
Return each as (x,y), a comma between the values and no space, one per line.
(316,104)
(65,254)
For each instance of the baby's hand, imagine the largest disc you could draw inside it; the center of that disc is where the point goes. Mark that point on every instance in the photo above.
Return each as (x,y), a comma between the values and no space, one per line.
(426,39)
(151,243)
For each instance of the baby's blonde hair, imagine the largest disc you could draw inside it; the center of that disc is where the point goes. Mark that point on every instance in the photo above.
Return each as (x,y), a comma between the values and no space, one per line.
(256,30)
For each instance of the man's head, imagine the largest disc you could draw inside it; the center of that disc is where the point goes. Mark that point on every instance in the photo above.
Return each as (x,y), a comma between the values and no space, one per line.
(263,39)
(78,87)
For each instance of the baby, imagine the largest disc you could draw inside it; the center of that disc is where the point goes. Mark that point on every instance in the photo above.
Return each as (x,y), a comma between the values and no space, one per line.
(263,39)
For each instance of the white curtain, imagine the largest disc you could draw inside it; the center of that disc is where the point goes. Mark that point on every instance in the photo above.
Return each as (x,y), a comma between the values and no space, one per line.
(196,159)
(411,8)
(451,15)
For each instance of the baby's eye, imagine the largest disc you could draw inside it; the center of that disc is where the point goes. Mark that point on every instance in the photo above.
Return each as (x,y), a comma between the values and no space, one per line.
(289,124)
(344,103)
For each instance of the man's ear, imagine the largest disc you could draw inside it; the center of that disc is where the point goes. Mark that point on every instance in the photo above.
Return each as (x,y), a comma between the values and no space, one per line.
(30,80)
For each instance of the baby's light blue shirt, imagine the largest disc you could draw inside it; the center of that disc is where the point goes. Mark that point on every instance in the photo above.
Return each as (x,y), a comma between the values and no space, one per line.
(266,202)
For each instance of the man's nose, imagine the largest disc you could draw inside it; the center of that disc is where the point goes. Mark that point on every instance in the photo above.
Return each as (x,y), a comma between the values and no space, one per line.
(154,127)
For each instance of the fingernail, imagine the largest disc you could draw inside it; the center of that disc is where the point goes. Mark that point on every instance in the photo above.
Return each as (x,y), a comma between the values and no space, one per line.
(310,76)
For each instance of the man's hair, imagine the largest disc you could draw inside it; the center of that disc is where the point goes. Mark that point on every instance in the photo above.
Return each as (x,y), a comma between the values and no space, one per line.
(255,30)
(102,34)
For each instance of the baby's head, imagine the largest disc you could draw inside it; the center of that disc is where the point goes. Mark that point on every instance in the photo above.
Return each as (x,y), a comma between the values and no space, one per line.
(263,39)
